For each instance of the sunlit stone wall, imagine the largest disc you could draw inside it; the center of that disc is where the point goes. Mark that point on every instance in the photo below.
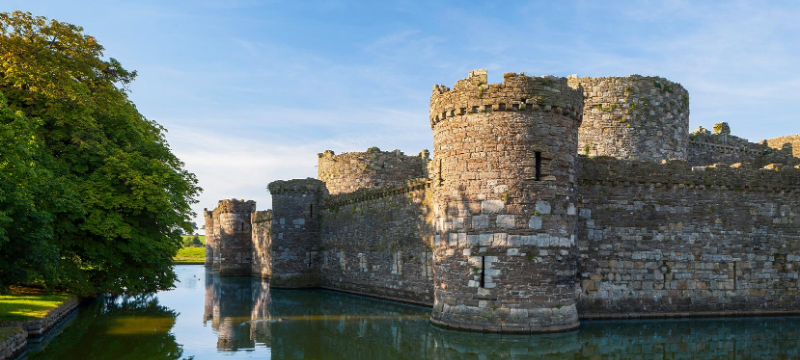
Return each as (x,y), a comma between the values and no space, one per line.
(372,169)
(633,117)
(504,203)
(235,242)
(261,223)
(377,243)
(670,240)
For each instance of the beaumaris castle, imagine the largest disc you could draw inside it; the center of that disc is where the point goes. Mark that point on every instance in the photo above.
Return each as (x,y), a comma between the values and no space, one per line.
(548,200)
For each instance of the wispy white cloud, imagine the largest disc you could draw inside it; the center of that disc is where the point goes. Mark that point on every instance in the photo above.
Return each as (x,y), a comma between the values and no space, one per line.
(252,90)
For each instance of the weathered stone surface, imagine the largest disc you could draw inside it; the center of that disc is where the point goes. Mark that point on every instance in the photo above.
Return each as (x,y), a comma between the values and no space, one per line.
(15,344)
(348,172)
(493,244)
(295,228)
(715,240)
(634,117)
(261,223)
(229,228)
(486,138)
(380,246)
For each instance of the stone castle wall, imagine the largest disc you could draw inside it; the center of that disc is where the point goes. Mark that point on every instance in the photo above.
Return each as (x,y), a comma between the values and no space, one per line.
(505,180)
(377,243)
(295,232)
(720,147)
(634,117)
(511,228)
(348,172)
(234,243)
(261,225)
(211,242)
(670,240)
(790,143)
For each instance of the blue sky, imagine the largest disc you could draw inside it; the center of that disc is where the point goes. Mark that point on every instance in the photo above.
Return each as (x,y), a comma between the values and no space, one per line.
(252,90)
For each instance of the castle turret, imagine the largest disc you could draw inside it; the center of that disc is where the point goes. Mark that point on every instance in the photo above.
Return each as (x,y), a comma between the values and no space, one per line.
(504,189)
(634,118)
(234,243)
(210,236)
(348,172)
(295,233)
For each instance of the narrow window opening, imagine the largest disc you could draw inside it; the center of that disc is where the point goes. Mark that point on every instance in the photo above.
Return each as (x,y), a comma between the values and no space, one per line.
(538,159)
(242,227)
(483,271)
(311,210)
(441,179)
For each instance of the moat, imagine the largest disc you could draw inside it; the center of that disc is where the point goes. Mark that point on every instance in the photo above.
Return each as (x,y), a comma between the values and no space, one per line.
(241,317)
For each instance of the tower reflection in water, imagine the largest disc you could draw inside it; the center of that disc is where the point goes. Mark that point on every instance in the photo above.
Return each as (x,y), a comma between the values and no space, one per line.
(313,324)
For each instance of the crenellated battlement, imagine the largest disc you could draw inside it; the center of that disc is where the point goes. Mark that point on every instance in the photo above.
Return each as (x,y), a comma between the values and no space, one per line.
(549,200)
(300,186)
(261,217)
(736,177)
(707,147)
(350,172)
(235,206)
(518,92)
(372,194)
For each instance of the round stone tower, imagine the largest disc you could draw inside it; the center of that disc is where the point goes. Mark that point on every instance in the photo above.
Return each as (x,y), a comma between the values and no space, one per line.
(348,172)
(234,243)
(504,188)
(210,237)
(634,117)
(295,232)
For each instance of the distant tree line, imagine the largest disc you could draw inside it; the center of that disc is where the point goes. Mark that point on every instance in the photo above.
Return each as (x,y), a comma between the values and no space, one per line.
(92,199)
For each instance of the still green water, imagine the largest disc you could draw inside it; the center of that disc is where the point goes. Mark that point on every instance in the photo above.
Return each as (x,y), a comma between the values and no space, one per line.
(213,317)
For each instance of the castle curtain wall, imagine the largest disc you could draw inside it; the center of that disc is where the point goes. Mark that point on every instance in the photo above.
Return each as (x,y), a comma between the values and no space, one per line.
(669,240)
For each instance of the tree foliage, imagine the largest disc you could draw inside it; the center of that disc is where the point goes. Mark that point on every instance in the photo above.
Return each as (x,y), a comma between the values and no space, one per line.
(91,197)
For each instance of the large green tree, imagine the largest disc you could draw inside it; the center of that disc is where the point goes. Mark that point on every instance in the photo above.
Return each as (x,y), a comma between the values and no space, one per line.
(92,199)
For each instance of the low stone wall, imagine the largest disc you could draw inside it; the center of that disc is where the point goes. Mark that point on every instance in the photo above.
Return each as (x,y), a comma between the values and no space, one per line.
(377,243)
(15,344)
(668,240)
(38,327)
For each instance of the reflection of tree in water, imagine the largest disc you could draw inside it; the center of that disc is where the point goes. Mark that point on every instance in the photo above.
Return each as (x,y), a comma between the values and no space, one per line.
(118,328)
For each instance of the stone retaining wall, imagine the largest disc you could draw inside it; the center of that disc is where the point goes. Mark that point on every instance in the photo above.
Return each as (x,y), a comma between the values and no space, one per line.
(38,327)
(14,345)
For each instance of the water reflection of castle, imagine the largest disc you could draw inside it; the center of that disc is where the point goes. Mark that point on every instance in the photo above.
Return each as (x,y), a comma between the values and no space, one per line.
(300,324)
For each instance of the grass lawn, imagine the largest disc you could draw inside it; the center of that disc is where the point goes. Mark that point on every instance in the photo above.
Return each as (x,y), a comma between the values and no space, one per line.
(28,304)
(191,255)
(6,332)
